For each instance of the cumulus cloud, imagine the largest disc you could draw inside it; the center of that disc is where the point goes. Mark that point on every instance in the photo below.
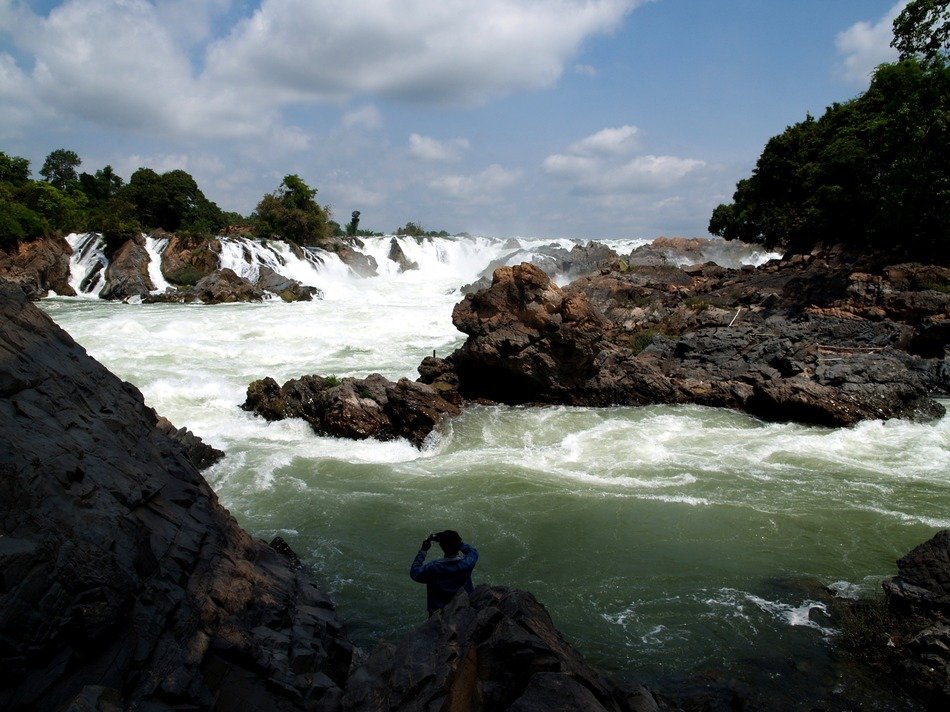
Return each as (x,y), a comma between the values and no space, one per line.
(439,51)
(432,150)
(601,164)
(485,187)
(586,70)
(865,45)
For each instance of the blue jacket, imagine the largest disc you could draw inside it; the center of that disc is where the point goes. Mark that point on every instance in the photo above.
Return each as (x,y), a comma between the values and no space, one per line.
(444,577)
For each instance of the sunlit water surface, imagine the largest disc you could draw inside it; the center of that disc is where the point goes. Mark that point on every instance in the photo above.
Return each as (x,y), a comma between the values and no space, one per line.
(662,539)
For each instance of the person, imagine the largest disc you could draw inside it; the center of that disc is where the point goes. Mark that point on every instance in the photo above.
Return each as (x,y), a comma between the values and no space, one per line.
(446,576)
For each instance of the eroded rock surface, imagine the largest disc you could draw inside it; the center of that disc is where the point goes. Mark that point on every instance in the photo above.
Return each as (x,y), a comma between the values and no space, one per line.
(124,582)
(38,266)
(802,341)
(373,407)
(127,274)
(496,649)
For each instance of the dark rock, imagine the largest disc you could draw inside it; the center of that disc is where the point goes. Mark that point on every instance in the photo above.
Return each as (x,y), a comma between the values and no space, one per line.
(708,336)
(124,583)
(127,273)
(495,649)
(923,580)
(38,266)
(199,453)
(289,290)
(221,287)
(399,257)
(361,264)
(373,407)
(528,341)
(187,259)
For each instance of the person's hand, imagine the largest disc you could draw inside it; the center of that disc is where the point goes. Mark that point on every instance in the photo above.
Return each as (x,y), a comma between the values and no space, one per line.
(426,543)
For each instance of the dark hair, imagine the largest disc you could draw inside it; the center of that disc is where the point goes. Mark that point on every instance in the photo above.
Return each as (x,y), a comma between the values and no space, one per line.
(449,540)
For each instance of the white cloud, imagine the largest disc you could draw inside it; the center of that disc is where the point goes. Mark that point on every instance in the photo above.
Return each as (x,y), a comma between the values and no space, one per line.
(865,45)
(608,142)
(365,117)
(432,150)
(600,165)
(485,187)
(437,51)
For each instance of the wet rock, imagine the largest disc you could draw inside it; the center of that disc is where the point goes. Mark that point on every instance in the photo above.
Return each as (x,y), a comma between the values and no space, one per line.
(528,341)
(496,649)
(289,290)
(707,336)
(923,580)
(399,257)
(373,407)
(38,266)
(199,453)
(124,583)
(187,259)
(220,287)
(362,265)
(127,274)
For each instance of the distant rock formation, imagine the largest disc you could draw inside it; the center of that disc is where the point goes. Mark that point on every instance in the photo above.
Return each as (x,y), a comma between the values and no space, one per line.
(125,585)
(399,257)
(495,649)
(187,259)
(38,266)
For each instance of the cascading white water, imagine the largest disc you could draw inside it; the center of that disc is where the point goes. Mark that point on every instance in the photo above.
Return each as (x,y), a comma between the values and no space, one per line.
(654,535)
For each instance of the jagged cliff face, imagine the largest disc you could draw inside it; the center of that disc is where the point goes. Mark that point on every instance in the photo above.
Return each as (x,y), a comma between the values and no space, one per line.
(123,579)
(39,266)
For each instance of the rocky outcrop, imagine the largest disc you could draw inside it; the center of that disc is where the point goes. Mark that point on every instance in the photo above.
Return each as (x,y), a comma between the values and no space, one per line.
(399,257)
(127,273)
(908,637)
(800,351)
(528,341)
(199,452)
(220,287)
(373,407)
(289,290)
(125,585)
(496,649)
(187,259)
(38,266)
(361,264)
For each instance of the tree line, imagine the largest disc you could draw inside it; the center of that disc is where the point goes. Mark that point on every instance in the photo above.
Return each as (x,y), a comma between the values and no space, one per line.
(872,173)
(65,200)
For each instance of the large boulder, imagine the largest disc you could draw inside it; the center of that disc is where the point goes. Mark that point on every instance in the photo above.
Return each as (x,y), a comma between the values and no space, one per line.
(289,290)
(528,340)
(397,255)
(125,584)
(127,274)
(38,266)
(187,259)
(496,649)
(223,286)
(373,407)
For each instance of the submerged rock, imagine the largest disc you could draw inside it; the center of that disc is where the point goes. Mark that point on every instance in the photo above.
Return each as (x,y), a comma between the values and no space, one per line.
(125,584)
(496,649)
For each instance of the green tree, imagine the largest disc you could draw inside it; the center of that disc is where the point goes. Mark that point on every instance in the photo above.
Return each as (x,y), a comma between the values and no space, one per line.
(171,201)
(61,211)
(100,187)
(13,169)
(59,168)
(922,30)
(292,213)
(873,172)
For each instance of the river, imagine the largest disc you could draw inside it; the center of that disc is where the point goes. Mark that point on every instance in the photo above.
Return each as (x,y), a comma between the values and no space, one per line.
(661,539)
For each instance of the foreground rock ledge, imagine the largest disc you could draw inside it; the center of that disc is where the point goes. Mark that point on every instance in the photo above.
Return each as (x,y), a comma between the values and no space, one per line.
(495,649)
(124,582)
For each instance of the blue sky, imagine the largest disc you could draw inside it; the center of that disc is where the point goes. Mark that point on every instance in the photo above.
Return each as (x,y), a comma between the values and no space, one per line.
(559,118)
